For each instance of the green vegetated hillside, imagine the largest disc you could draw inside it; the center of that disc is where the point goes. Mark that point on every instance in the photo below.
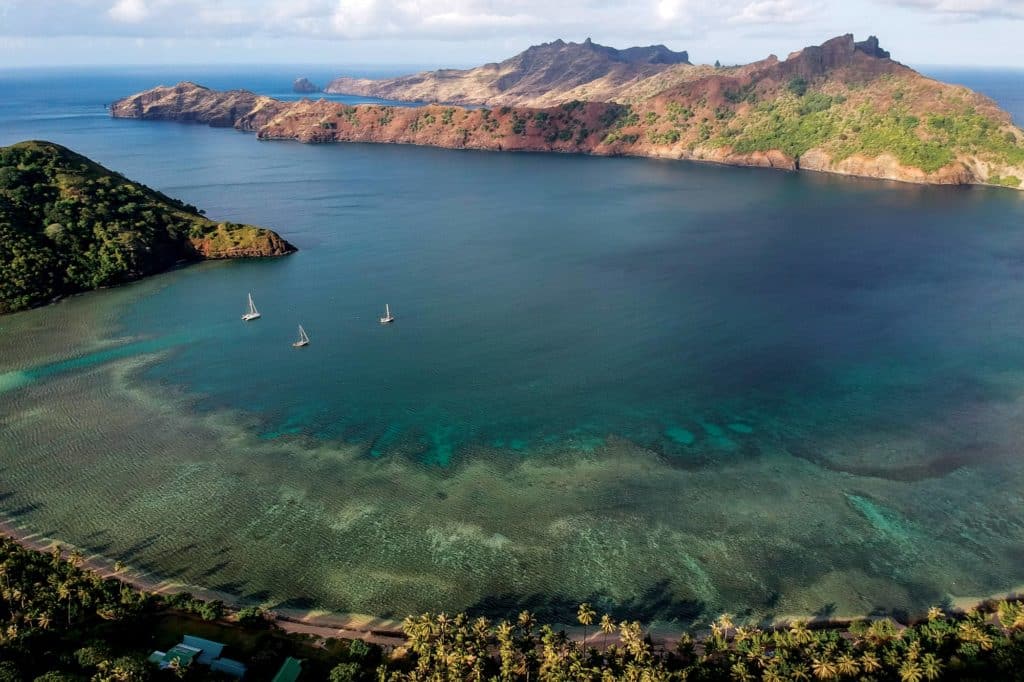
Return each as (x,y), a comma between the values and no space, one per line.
(68,224)
(892,116)
(841,107)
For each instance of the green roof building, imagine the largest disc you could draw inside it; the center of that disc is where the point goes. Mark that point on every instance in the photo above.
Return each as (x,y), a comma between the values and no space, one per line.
(204,652)
(179,656)
(289,671)
(210,650)
(229,667)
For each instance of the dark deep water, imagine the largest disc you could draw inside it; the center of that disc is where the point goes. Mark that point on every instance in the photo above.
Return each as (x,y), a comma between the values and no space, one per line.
(665,386)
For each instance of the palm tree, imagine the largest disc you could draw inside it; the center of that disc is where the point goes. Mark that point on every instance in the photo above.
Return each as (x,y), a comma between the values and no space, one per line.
(607,627)
(43,619)
(882,630)
(64,594)
(585,615)
(847,665)
(526,622)
(506,650)
(740,673)
(442,621)
(869,662)
(799,673)
(824,668)
(972,633)
(799,632)
(931,667)
(910,672)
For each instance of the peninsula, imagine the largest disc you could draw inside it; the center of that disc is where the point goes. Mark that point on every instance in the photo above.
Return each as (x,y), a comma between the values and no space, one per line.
(841,107)
(68,224)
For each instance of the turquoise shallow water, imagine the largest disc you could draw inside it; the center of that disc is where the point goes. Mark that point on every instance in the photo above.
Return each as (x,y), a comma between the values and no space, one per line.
(669,388)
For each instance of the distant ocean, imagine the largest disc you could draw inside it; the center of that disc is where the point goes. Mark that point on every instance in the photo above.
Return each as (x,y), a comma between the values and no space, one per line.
(1004,85)
(666,388)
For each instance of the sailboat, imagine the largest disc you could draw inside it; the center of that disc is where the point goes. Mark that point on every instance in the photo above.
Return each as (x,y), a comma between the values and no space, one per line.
(388,317)
(252,313)
(303,338)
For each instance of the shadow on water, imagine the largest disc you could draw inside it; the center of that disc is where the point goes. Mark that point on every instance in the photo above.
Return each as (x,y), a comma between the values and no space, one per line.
(214,570)
(898,615)
(826,612)
(134,551)
(24,510)
(235,588)
(296,603)
(656,603)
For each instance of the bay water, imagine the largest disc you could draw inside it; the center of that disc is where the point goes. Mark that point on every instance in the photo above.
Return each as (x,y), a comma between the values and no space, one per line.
(667,388)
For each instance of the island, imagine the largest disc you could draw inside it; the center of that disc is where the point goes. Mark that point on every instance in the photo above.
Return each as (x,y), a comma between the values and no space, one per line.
(304,86)
(67,225)
(842,107)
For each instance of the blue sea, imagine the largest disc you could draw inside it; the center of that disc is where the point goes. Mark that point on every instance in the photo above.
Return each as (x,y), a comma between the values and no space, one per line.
(667,388)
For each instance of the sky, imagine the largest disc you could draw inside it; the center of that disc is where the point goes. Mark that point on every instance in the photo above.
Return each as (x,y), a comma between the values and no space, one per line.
(437,33)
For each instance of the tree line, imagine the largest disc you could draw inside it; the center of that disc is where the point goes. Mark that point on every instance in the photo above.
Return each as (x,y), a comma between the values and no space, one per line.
(60,622)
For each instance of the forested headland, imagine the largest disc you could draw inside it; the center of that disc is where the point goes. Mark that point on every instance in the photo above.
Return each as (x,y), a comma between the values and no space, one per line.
(68,224)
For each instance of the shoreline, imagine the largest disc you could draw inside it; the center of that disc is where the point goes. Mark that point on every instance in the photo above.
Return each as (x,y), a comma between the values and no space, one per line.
(762,162)
(322,624)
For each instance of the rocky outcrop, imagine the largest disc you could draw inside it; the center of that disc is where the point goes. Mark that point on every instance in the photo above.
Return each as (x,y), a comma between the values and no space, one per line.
(304,86)
(188,101)
(870,48)
(887,167)
(867,59)
(227,241)
(840,107)
(542,75)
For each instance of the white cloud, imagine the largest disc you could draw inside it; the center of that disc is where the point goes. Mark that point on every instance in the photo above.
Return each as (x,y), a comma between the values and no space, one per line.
(671,10)
(128,11)
(772,12)
(966,10)
(681,23)
(405,19)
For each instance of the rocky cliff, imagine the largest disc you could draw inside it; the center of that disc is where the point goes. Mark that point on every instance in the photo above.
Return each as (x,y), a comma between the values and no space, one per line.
(228,240)
(304,86)
(840,107)
(539,76)
(191,102)
(68,224)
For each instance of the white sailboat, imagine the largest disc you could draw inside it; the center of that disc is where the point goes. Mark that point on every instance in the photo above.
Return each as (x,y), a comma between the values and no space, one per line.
(303,338)
(388,317)
(252,313)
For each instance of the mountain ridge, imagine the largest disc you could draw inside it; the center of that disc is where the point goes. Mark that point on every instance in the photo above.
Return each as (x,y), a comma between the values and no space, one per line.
(842,107)
(538,76)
